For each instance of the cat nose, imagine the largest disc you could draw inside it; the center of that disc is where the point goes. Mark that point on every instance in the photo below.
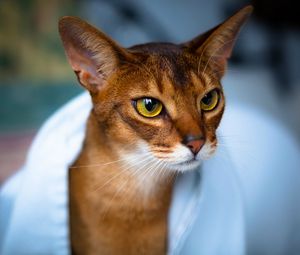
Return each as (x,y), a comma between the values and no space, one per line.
(194,143)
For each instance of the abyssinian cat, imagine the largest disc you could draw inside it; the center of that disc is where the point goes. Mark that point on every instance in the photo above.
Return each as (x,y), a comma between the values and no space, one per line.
(156,108)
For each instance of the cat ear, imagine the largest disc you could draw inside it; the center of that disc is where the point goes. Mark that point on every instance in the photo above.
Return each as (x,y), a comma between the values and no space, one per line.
(215,46)
(92,55)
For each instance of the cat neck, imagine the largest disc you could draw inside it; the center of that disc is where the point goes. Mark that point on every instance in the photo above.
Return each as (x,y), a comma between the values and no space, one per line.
(105,177)
(107,202)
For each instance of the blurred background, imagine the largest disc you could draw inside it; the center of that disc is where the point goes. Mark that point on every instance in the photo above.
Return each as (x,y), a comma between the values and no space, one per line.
(35,78)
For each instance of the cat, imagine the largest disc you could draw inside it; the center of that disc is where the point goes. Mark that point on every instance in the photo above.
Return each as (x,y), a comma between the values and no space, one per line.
(156,109)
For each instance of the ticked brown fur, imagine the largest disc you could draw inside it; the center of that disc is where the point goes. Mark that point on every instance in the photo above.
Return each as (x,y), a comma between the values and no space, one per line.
(121,207)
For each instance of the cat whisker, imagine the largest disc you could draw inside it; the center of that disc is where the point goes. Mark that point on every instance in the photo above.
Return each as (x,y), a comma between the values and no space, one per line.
(98,165)
(171,174)
(105,163)
(113,197)
(152,170)
(137,173)
(147,173)
(121,188)
(153,173)
(160,149)
(122,171)
(160,172)
(176,173)
(161,157)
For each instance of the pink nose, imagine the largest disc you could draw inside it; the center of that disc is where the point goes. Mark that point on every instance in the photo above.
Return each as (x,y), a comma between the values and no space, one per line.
(194,143)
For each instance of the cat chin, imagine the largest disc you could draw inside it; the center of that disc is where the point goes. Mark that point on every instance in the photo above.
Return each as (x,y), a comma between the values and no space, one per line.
(189,165)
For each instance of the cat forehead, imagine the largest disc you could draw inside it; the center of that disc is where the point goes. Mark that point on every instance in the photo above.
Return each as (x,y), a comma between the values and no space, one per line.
(157,48)
(171,84)
(167,59)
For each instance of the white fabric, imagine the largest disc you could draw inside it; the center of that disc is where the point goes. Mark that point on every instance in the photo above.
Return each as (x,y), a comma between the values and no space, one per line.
(244,199)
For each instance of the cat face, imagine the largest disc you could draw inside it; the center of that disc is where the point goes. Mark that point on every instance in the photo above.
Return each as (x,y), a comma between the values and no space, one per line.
(159,102)
(181,133)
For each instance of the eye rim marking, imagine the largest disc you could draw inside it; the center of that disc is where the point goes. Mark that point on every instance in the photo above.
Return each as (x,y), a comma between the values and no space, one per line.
(138,107)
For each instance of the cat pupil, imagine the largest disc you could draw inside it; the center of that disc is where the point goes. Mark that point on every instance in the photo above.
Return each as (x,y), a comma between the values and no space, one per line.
(150,104)
(207,99)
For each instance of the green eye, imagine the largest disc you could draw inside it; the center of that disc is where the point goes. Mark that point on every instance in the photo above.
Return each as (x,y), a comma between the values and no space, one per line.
(209,101)
(149,107)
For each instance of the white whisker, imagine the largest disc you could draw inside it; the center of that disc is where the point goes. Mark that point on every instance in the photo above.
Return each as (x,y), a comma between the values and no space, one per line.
(130,165)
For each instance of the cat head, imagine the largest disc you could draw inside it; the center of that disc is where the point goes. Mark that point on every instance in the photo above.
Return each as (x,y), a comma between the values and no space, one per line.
(159,101)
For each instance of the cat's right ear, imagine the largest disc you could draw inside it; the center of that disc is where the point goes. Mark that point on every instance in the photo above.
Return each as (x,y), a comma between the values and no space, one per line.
(93,55)
(215,46)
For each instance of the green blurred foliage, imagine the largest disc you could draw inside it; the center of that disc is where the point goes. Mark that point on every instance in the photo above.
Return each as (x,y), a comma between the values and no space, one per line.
(30,48)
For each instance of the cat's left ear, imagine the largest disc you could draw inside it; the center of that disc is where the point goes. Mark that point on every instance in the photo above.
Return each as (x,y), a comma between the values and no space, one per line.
(92,55)
(215,46)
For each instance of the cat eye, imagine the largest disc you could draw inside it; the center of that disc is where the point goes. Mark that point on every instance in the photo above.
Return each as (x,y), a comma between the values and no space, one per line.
(148,107)
(209,101)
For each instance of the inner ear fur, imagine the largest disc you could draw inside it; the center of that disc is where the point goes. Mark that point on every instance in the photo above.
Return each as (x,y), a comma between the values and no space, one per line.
(92,55)
(215,46)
